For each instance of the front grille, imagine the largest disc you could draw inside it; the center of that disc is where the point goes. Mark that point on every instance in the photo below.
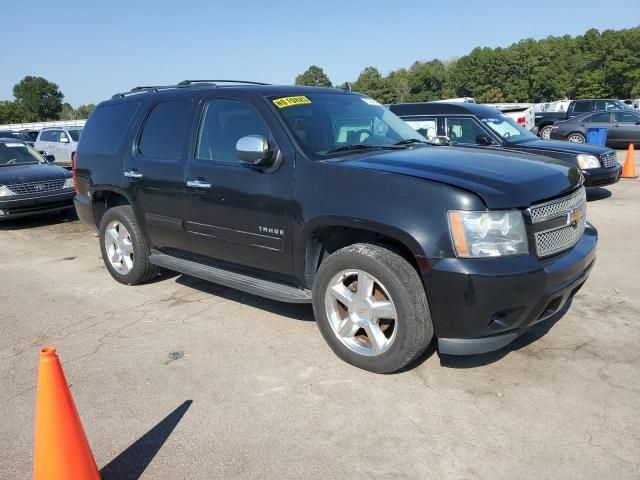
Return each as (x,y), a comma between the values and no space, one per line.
(557,208)
(573,209)
(36,187)
(608,160)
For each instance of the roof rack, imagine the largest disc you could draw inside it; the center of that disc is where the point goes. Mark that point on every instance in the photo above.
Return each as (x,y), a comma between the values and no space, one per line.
(184,84)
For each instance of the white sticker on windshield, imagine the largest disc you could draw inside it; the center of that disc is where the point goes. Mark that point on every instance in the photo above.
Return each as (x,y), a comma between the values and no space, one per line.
(370,101)
(14,144)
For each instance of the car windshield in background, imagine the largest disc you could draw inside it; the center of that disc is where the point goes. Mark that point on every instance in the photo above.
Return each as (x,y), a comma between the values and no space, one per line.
(330,124)
(507,129)
(75,134)
(9,134)
(17,154)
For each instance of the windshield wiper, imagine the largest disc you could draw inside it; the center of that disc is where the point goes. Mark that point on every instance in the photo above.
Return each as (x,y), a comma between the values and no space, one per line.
(409,141)
(363,146)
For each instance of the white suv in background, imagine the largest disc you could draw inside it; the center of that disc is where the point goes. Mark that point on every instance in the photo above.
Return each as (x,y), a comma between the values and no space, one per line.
(60,143)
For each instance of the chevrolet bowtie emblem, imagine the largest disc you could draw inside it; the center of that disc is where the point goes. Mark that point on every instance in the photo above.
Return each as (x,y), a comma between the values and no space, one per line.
(574,216)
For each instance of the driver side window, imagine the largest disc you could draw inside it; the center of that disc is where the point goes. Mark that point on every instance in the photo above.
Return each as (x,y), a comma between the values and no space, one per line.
(463,130)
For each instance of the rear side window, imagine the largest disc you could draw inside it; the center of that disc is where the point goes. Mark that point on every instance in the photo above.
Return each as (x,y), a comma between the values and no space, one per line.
(165,130)
(626,117)
(48,136)
(600,118)
(581,107)
(106,127)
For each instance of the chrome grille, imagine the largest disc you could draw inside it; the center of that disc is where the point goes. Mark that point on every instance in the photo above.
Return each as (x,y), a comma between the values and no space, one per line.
(573,209)
(608,160)
(36,187)
(557,208)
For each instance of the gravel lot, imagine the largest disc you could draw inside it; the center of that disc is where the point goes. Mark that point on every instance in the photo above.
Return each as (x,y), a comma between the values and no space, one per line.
(183,379)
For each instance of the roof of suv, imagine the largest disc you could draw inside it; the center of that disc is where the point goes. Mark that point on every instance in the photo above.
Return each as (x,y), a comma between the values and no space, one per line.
(439,108)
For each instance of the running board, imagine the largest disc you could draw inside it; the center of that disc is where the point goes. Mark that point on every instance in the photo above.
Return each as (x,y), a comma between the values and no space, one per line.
(239,281)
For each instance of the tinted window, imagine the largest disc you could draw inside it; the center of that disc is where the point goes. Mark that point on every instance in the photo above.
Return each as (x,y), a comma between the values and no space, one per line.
(600,117)
(626,117)
(463,130)
(223,123)
(106,127)
(580,107)
(165,130)
(75,134)
(48,136)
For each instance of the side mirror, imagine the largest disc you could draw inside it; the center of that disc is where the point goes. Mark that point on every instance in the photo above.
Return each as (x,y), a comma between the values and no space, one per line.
(483,140)
(64,139)
(254,149)
(50,158)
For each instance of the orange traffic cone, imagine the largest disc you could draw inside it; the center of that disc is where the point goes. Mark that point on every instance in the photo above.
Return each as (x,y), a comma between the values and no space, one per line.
(61,450)
(629,169)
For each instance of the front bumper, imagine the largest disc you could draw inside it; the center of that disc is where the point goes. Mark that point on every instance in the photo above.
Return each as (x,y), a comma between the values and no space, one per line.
(480,305)
(32,204)
(598,177)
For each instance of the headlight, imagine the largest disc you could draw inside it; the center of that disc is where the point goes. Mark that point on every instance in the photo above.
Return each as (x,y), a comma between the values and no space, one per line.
(488,234)
(588,161)
(5,192)
(68,183)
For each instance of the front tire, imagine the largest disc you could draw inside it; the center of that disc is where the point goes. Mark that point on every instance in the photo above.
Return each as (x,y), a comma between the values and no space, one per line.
(371,308)
(124,249)
(576,138)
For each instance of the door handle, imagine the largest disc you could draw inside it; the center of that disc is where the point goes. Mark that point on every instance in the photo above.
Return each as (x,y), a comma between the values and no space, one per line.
(133,174)
(198,184)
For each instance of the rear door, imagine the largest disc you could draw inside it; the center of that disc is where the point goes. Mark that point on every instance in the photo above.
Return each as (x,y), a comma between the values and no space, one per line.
(154,173)
(625,129)
(236,212)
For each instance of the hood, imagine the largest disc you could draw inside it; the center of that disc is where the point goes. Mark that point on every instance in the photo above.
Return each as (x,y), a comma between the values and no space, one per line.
(501,179)
(14,174)
(561,146)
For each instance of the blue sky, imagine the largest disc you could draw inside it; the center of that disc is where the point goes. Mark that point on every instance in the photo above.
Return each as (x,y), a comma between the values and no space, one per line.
(94,49)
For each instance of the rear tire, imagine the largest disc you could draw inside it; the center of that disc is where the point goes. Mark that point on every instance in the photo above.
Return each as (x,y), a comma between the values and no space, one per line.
(576,138)
(124,249)
(545,132)
(381,322)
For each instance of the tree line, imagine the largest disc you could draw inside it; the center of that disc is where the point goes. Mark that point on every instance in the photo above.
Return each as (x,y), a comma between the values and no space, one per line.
(36,99)
(594,65)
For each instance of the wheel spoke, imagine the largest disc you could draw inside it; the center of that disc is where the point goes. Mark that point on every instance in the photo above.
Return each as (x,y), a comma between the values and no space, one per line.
(342,294)
(126,247)
(127,262)
(122,232)
(347,328)
(376,336)
(114,256)
(365,285)
(113,235)
(383,310)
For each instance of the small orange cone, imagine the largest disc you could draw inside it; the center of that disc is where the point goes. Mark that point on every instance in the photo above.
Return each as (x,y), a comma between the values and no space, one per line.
(629,169)
(61,449)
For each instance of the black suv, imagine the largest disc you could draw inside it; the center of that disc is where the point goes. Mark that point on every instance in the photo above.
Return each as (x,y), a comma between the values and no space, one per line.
(482,126)
(305,194)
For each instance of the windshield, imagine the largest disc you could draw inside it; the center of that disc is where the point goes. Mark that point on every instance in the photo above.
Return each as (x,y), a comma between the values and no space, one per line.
(331,124)
(75,134)
(508,130)
(18,135)
(18,154)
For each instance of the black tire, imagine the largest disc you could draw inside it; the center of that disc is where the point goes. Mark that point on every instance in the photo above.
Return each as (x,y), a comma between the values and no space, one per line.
(414,327)
(580,137)
(142,270)
(545,132)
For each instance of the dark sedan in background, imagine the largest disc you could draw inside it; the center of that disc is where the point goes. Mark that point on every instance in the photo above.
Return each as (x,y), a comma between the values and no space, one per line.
(482,126)
(623,127)
(29,184)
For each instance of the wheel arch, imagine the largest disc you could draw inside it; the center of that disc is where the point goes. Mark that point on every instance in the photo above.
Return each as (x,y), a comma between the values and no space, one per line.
(325,235)
(105,197)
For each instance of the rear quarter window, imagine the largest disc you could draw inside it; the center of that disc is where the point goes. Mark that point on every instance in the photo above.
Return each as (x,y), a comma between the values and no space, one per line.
(106,127)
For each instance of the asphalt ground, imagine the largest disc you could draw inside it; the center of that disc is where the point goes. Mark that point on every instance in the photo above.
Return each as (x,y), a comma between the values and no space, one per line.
(181,379)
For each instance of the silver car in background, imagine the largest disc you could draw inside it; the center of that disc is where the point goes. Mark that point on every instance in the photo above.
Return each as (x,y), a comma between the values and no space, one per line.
(59,142)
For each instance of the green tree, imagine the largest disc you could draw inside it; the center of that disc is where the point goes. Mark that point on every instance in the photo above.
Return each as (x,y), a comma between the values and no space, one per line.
(10,112)
(68,112)
(314,76)
(84,111)
(38,98)
(371,83)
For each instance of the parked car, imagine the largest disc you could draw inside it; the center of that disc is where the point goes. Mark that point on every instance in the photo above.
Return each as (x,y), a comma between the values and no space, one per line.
(306,194)
(482,127)
(545,120)
(623,127)
(29,184)
(61,143)
(16,135)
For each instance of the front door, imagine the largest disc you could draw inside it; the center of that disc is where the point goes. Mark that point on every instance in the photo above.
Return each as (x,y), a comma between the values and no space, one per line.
(236,212)
(625,128)
(154,174)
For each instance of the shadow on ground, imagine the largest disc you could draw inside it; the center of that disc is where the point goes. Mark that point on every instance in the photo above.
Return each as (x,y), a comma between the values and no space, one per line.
(595,194)
(131,463)
(39,220)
